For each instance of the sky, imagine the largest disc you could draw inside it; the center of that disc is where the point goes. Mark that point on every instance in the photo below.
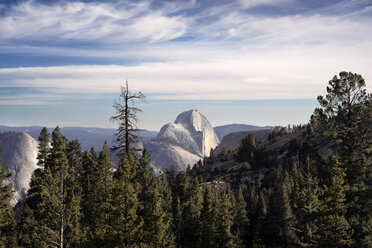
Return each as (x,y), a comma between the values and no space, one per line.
(258,62)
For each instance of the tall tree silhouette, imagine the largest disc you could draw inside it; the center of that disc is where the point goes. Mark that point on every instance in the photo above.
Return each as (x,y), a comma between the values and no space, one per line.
(126,116)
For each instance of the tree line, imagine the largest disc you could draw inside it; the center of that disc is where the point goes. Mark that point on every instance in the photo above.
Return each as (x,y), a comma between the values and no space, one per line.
(76,200)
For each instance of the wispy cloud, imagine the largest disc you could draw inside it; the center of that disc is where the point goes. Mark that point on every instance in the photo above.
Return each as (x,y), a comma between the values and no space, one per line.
(202,50)
(122,23)
(255,3)
(273,75)
(79,21)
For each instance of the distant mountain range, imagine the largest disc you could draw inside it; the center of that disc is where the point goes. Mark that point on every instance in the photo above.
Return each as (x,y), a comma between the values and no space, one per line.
(96,137)
(87,136)
(183,142)
(224,130)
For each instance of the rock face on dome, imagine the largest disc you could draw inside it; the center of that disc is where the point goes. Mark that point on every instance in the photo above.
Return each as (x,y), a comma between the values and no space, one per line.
(19,157)
(189,138)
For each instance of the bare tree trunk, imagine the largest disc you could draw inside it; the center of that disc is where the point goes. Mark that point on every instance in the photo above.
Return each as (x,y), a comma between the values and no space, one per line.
(126,116)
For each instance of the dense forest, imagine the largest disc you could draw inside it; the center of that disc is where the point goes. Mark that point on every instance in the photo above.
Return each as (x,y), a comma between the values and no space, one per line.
(302,199)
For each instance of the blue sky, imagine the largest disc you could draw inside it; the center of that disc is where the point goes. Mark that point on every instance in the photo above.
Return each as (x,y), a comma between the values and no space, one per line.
(260,62)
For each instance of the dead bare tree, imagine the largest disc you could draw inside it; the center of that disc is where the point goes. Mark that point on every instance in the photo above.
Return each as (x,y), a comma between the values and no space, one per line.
(126,116)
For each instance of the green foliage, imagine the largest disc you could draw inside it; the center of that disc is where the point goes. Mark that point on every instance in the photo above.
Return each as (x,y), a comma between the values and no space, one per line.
(209,218)
(7,215)
(52,212)
(241,220)
(308,205)
(31,216)
(333,228)
(248,147)
(96,181)
(43,147)
(76,200)
(344,120)
(126,224)
(153,207)
(225,237)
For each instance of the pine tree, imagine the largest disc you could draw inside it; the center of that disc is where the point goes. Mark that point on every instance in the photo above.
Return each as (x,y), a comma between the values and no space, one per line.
(166,205)
(156,219)
(280,223)
(58,212)
(74,156)
(43,147)
(162,235)
(191,208)
(287,219)
(7,216)
(241,220)
(31,217)
(74,233)
(247,148)
(96,181)
(179,184)
(308,206)
(333,228)
(208,218)
(102,188)
(125,222)
(341,119)
(344,119)
(225,237)
(88,178)
(257,205)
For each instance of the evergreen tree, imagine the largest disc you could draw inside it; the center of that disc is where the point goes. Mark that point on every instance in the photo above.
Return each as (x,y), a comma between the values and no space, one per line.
(225,237)
(241,220)
(257,205)
(58,212)
(340,119)
(96,181)
(88,180)
(125,222)
(333,228)
(102,189)
(7,217)
(191,208)
(308,206)
(166,205)
(208,218)
(344,119)
(179,186)
(248,148)
(74,156)
(74,233)
(280,222)
(30,225)
(156,219)
(43,147)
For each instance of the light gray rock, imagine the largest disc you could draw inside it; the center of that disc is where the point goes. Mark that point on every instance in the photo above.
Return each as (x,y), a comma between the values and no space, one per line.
(189,138)
(19,157)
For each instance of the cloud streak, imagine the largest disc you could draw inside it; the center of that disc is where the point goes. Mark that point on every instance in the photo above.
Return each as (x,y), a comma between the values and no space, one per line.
(273,75)
(79,21)
(188,50)
(122,23)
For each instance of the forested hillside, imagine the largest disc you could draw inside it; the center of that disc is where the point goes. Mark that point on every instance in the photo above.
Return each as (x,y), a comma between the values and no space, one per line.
(304,187)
